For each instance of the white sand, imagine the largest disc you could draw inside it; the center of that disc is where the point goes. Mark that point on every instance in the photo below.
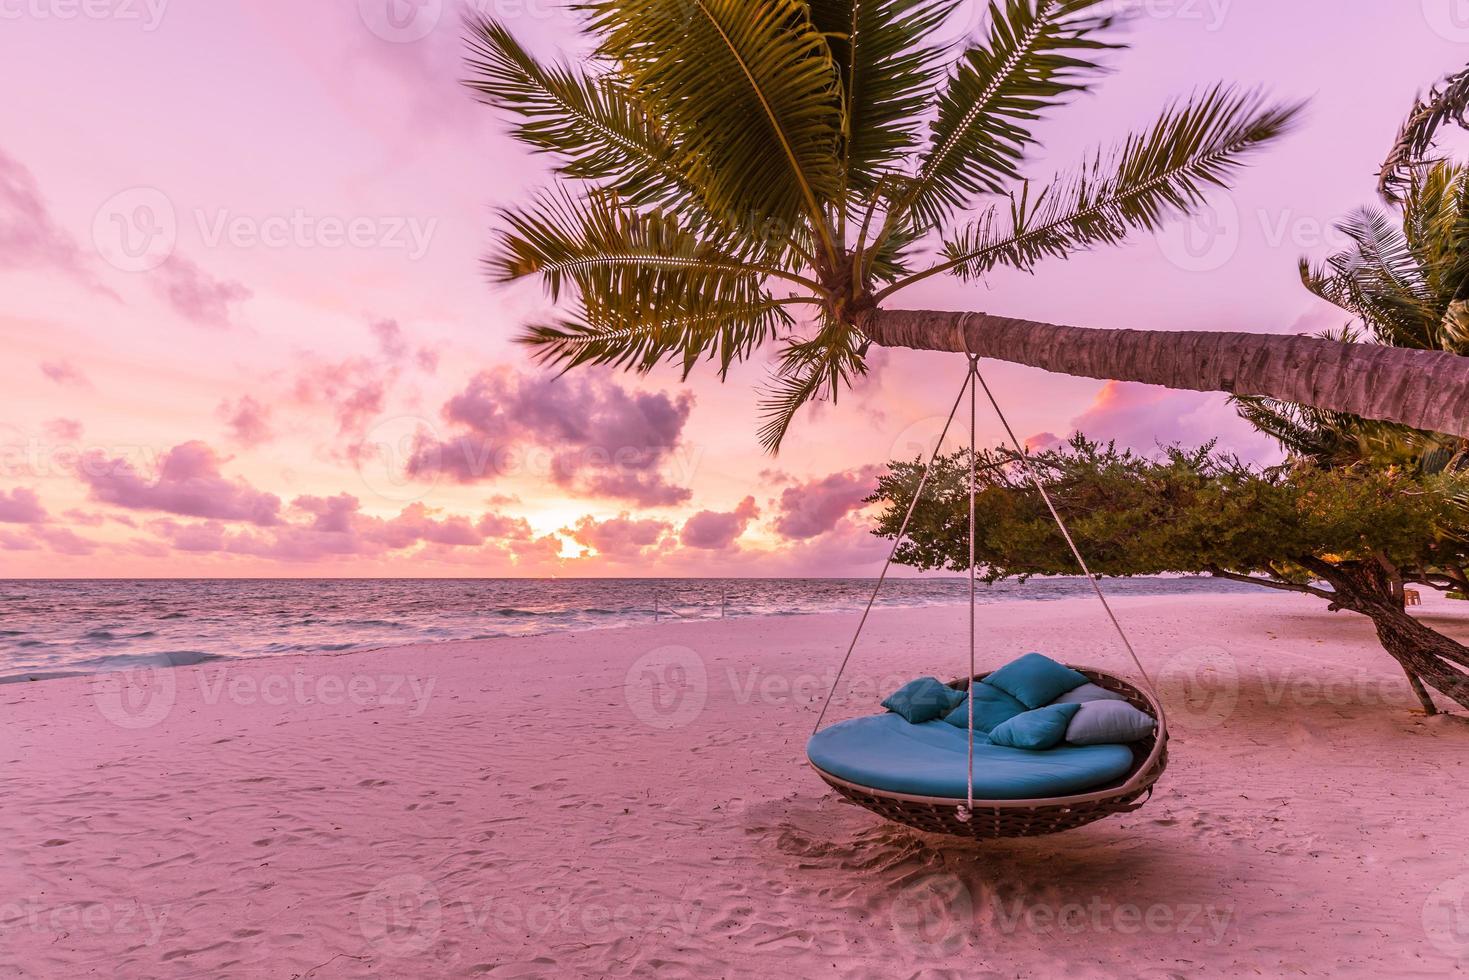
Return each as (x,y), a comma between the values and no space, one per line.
(540,808)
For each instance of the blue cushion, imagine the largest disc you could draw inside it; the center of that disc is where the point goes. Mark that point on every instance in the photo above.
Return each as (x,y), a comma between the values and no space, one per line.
(885,752)
(1108,722)
(991,707)
(923,700)
(1034,680)
(1087,693)
(1042,728)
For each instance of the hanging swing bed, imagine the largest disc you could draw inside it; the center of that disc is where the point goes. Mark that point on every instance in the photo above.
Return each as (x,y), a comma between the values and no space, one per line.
(946,776)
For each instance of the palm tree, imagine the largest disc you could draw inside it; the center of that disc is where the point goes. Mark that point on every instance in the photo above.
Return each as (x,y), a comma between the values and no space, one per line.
(1403,282)
(741,172)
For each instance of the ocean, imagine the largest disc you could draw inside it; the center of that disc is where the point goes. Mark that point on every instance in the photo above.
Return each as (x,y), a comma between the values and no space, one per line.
(52,628)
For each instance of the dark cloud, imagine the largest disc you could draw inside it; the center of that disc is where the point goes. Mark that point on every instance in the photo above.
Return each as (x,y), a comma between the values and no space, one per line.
(599,438)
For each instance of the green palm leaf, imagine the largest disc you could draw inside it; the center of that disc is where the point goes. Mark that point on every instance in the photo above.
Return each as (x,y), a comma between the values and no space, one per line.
(751,88)
(809,370)
(725,332)
(592,124)
(888,75)
(1038,54)
(1153,176)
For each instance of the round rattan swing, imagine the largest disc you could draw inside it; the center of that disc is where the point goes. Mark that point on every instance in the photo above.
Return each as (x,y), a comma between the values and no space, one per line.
(987,819)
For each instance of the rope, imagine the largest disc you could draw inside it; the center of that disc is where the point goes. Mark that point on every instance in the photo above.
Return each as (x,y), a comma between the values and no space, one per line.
(1070,542)
(973,476)
(887,565)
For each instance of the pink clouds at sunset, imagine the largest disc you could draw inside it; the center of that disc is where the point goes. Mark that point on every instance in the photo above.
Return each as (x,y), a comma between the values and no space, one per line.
(714,531)
(64,372)
(818,506)
(248,421)
(196,295)
(30,236)
(1146,418)
(188,483)
(21,506)
(600,439)
(621,538)
(261,405)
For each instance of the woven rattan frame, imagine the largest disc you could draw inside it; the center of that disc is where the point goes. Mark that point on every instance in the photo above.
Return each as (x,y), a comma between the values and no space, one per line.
(1029,818)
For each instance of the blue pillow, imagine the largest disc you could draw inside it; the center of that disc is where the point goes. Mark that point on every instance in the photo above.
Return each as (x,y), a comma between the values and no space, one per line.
(1089,692)
(923,700)
(1108,723)
(1034,680)
(992,707)
(1043,728)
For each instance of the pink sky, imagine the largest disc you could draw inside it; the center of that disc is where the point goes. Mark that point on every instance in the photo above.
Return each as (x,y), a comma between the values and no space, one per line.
(245,332)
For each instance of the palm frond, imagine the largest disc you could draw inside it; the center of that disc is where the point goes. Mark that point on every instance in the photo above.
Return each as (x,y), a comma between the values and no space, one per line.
(728,333)
(1038,54)
(1449,104)
(751,88)
(1152,176)
(592,124)
(809,370)
(888,73)
(1380,280)
(619,257)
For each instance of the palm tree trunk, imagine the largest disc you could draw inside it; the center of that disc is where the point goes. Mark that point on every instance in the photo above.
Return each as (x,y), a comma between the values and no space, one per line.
(1423,389)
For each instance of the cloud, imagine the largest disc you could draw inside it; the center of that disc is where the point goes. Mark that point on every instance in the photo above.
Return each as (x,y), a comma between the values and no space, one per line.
(189,484)
(21,506)
(64,373)
(817,506)
(66,430)
(713,531)
(318,528)
(195,294)
(355,388)
(65,541)
(30,237)
(1144,417)
(248,420)
(622,538)
(11,541)
(601,439)
(390,339)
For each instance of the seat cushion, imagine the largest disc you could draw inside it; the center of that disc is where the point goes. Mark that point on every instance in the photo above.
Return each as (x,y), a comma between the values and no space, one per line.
(1035,680)
(1089,692)
(1043,728)
(1099,722)
(884,752)
(992,707)
(923,700)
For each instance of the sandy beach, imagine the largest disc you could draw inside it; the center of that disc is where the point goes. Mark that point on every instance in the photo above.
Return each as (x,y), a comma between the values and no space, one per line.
(636,802)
